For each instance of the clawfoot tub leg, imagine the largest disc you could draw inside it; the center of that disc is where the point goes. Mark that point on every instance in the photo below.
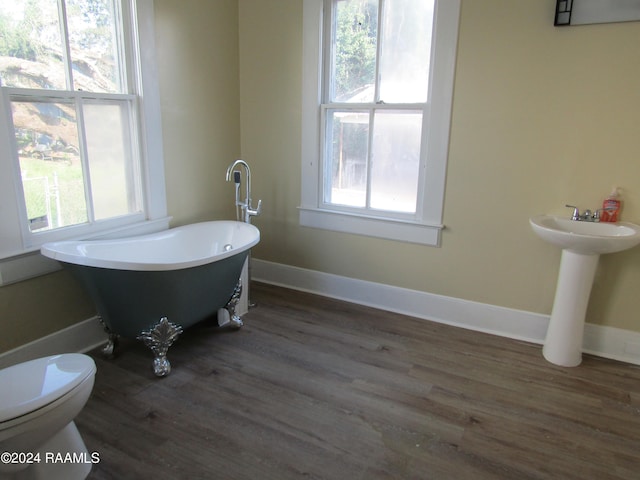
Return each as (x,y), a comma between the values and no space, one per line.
(112,343)
(234,320)
(159,338)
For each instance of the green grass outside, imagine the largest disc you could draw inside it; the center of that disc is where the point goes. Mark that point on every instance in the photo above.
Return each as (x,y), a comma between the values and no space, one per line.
(37,172)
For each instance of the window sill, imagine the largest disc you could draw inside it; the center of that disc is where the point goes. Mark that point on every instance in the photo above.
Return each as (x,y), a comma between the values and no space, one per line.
(389,229)
(31,264)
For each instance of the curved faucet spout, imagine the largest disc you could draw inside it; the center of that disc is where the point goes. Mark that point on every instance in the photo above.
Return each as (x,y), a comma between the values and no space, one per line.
(234,165)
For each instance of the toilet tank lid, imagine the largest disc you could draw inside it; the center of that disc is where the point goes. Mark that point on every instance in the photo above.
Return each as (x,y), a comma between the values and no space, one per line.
(31,385)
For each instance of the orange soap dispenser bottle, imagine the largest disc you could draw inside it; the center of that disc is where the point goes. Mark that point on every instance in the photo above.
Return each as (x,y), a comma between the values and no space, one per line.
(611,207)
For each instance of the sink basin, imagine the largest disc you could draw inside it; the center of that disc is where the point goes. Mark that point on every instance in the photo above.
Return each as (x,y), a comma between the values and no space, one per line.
(588,238)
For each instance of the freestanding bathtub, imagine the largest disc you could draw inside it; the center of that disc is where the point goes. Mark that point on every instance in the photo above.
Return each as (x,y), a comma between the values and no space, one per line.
(153,286)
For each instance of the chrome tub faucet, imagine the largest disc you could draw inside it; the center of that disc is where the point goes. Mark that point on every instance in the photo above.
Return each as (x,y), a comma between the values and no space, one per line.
(244,208)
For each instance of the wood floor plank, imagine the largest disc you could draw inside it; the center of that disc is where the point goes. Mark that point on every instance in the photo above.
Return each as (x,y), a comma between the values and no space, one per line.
(317,388)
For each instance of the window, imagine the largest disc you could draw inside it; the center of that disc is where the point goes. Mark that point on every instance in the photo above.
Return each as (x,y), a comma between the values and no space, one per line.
(378,83)
(80,145)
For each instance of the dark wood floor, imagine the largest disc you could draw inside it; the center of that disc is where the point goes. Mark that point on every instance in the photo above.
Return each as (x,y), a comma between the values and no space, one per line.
(321,389)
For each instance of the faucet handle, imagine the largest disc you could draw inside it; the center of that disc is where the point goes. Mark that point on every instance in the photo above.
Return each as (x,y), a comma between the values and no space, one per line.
(576,212)
(254,212)
(598,213)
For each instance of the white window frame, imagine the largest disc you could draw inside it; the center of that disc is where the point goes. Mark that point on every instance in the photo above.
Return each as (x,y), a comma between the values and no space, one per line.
(19,249)
(426,226)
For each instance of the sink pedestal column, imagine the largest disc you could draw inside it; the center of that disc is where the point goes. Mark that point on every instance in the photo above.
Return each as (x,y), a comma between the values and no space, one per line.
(563,344)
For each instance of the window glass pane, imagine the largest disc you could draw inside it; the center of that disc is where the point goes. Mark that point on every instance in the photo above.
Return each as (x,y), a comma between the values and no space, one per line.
(47,139)
(346,167)
(93,45)
(31,53)
(395,160)
(354,53)
(406,50)
(114,184)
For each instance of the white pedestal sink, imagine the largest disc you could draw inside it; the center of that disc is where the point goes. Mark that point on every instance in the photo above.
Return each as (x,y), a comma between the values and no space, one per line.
(582,244)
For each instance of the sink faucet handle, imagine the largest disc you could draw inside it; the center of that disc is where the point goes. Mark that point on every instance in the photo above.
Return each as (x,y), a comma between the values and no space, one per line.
(576,212)
(598,213)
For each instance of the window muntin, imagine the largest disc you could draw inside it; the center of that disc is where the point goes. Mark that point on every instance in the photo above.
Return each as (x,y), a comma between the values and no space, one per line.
(375,97)
(74,122)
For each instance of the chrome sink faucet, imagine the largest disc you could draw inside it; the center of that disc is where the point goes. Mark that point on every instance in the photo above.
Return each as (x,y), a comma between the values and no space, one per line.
(244,209)
(587,216)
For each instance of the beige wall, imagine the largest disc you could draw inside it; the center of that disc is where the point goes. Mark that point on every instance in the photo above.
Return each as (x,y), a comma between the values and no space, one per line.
(542,116)
(197,45)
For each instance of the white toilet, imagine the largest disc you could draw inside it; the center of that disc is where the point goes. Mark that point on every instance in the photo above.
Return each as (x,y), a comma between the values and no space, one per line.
(39,400)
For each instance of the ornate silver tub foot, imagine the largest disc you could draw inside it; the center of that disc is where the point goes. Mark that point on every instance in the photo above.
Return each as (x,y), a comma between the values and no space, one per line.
(233,320)
(112,343)
(159,338)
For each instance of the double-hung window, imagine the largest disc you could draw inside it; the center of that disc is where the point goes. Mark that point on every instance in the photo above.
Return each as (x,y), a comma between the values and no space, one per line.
(378,85)
(78,156)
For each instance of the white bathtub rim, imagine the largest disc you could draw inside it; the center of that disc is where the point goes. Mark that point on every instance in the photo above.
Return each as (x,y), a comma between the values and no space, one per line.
(83,252)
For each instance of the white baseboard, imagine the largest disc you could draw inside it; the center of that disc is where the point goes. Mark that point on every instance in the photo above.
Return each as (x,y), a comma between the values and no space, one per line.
(80,337)
(608,342)
(611,342)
